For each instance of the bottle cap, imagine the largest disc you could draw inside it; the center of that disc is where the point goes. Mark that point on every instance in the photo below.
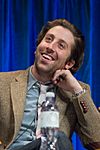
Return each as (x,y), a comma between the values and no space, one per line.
(50,94)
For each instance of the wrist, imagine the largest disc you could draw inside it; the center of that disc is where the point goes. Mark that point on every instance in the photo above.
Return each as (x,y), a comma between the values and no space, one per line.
(78,93)
(77,89)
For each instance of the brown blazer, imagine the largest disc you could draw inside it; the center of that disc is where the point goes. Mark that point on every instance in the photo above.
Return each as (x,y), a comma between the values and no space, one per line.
(72,115)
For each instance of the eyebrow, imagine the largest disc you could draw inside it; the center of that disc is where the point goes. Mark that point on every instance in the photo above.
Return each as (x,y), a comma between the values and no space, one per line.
(52,35)
(48,34)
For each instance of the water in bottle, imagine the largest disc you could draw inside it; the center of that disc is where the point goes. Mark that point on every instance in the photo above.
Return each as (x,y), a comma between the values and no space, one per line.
(49,123)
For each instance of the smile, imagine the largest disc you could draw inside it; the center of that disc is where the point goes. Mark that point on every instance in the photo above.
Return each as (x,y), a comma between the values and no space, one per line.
(48,57)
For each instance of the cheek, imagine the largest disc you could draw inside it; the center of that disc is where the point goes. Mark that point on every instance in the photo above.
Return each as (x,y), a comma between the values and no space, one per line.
(40,48)
(62,56)
(65,54)
(42,44)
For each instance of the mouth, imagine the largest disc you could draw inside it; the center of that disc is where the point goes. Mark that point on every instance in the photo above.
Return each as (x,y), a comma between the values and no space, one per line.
(47,56)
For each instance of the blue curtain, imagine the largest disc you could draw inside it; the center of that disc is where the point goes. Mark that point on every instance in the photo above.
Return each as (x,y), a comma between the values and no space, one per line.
(21,21)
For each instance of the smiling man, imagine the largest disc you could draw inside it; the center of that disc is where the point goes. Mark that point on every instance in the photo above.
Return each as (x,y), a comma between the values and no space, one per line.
(53,53)
(59,54)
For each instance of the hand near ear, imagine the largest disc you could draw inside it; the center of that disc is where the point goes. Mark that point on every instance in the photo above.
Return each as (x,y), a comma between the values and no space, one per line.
(65,80)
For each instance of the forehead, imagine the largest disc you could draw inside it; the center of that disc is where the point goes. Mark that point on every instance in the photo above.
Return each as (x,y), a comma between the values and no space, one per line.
(61,33)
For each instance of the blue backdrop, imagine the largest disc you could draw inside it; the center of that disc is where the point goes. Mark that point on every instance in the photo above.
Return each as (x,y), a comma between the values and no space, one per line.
(21,21)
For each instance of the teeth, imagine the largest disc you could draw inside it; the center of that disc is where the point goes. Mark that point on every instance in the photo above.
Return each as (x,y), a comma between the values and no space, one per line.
(47,57)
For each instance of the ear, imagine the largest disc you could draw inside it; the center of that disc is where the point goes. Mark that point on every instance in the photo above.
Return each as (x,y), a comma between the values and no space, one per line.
(70,64)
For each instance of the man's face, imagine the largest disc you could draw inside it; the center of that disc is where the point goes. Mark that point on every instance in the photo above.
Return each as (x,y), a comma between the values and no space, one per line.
(54,50)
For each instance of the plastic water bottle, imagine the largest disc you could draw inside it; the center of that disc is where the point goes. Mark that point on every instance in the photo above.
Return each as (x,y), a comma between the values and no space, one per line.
(49,123)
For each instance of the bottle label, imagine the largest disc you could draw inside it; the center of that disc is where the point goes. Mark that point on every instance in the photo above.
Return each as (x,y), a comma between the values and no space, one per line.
(49,119)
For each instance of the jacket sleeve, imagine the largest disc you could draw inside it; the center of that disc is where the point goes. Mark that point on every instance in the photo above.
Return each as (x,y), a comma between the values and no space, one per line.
(88,125)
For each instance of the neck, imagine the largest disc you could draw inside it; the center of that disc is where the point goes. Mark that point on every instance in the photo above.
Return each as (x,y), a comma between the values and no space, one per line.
(40,76)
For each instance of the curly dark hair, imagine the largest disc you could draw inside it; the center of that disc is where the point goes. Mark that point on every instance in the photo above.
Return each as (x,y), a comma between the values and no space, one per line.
(77,50)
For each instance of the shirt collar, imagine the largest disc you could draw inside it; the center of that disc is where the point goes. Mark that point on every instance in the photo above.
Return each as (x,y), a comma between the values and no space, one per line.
(32,80)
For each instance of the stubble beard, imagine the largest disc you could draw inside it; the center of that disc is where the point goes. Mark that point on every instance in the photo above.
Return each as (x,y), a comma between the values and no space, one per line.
(44,72)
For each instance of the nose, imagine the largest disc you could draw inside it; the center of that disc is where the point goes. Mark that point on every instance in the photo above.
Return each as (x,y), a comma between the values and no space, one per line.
(51,47)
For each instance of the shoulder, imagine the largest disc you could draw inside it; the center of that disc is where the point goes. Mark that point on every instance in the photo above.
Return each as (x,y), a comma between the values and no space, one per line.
(5,76)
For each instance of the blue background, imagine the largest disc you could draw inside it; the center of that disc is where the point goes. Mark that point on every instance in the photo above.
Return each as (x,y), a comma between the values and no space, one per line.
(21,21)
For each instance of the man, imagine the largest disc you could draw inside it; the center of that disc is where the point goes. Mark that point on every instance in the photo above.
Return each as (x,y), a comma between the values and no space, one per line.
(59,54)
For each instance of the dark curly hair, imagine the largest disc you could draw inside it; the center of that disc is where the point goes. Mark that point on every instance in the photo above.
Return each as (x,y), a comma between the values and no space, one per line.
(77,50)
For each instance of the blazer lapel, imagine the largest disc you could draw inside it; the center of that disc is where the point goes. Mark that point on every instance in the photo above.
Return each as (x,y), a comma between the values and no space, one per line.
(18,94)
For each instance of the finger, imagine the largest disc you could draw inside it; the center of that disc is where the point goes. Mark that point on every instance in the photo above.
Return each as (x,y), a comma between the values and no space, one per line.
(56,75)
(59,76)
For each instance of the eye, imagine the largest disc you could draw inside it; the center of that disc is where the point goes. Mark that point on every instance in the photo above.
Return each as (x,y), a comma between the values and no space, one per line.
(61,46)
(48,39)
